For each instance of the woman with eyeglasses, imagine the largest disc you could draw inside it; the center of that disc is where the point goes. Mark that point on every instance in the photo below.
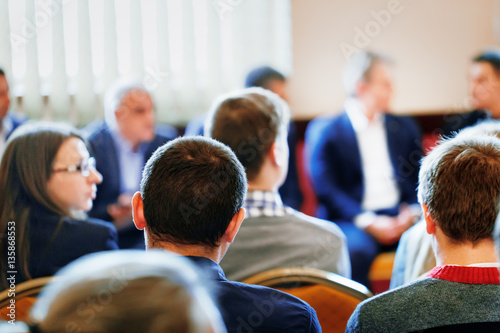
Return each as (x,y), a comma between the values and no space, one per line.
(47,183)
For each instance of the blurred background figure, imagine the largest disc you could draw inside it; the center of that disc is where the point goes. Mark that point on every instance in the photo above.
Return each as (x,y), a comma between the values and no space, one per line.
(8,120)
(127,291)
(364,164)
(269,78)
(47,183)
(122,145)
(484,92)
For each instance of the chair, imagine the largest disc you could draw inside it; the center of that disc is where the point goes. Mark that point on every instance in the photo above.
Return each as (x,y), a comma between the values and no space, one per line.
(25,296)
(381,272)
(332,296)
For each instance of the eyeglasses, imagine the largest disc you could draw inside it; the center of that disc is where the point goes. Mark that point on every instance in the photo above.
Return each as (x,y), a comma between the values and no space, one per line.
(84,167)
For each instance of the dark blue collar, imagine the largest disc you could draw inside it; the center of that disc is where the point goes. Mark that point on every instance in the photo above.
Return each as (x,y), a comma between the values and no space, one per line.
(209,266)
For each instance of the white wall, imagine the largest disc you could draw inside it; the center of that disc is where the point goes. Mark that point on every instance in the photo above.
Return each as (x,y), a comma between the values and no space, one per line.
(431,41)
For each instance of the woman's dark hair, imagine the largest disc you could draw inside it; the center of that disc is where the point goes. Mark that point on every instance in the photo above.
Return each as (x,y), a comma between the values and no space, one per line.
(24,172)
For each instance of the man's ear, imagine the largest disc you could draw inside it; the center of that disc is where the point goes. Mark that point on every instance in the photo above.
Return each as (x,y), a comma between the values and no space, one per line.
(429,221)
(276,154)
(138,211)
(234,225)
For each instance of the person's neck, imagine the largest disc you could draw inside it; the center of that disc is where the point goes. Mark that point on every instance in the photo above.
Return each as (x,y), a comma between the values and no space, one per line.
(369,110)
(268,179)
(464,254)
(261,187)
(216,254)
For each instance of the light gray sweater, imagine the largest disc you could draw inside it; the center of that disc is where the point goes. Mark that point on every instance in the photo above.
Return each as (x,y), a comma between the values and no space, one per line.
(294,240)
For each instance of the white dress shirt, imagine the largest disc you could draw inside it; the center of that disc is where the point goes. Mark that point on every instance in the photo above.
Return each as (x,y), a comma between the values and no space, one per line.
(131,163)
(380,188)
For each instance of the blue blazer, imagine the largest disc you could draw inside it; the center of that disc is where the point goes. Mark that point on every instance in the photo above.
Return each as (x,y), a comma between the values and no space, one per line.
(251,308)
(336,169)
(106,156)
(16,120)
(455,122)
(56,241)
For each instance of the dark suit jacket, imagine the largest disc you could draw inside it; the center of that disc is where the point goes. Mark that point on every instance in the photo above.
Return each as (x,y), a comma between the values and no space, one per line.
(105,153)
(16,120)
(56,241)
(455,122)
(251,308)
(335,163)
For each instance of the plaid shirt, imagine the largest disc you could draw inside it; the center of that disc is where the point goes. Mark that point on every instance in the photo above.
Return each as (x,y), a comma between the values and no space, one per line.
(265,203)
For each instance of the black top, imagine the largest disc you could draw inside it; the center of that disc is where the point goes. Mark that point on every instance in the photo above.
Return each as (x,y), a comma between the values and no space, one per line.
(56,241)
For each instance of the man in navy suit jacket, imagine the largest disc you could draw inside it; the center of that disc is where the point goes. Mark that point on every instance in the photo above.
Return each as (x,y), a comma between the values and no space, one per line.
(190,203)
(121,146)
(8,121)
(364,164)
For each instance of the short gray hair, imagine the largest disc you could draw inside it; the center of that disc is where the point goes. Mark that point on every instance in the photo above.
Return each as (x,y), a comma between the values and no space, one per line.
(114,95)
(359,67)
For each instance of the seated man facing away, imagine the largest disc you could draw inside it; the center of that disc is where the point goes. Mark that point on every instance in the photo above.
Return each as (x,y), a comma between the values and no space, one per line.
(253,122)
(190,203)
(269,78)
(414,256)
(459,191)
(122,145)
(127,291)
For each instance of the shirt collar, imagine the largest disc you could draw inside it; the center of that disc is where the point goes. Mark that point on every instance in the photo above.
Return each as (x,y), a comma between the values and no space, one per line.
(355,112)
(265,203)
(123,145)
(466,274)
(209,266)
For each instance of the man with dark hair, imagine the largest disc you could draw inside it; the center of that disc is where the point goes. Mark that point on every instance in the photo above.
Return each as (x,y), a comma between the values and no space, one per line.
(8,121)
(364,164)
(190,203)
(459,190)
(484,93)
(269,78)
(253,122)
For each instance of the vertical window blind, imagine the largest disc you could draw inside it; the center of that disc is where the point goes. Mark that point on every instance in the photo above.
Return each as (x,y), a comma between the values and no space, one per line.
(60,55)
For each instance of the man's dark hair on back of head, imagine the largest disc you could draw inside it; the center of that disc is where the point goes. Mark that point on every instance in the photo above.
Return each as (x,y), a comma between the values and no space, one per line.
(191,188)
